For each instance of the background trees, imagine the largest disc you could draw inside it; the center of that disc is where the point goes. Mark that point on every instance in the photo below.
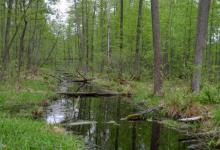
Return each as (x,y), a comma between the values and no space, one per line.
(106,36)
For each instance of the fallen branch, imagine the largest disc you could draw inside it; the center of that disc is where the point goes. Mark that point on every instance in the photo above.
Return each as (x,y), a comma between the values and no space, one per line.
(192,119)
(53,76)
(151,110)
(93,94)
(213,134)
(139,116)
(81,74)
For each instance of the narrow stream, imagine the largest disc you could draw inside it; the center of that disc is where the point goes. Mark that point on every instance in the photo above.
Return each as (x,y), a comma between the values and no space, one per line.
(97,120)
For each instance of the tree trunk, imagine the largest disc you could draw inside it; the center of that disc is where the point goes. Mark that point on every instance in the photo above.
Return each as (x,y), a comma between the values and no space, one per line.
(202,27)
(156,46)
(92,36)
(5,55)
(121,35)
(138,36)
(109,34)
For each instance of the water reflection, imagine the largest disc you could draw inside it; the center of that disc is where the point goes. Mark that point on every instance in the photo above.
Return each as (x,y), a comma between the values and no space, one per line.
(155,135)
(108,132)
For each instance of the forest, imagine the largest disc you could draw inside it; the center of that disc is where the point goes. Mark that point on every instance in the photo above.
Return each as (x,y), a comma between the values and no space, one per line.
(110,74)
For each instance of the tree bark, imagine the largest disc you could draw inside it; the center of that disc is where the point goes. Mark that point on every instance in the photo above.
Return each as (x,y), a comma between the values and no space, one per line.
(109,33)
(138,36)
(121,36)
(202,27)
(5,55)
(157,49)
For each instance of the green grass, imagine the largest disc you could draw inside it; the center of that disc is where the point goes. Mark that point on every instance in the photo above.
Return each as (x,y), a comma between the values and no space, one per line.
(30,91)
(27,134)
(216,113)
(17,128)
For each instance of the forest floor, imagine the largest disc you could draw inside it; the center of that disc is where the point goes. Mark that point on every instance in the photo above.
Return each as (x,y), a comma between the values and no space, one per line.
(21,113)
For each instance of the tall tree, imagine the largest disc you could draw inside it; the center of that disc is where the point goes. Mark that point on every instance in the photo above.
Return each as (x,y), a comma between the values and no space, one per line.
(138,36)
(109,33)
(156,46)
(121,35)
(202,27)
(5,55)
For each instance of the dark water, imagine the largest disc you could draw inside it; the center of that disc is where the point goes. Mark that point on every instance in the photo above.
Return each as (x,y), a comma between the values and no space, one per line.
(103,128)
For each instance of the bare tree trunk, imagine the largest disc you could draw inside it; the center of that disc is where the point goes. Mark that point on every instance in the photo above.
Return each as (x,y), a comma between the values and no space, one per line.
(121,35)
(157,49)
(92,35)
(31,46)
(102,30)
(202,27)
(5,55)
(168,40)
(21,49)
(138,38)
(209,49)
(109,33)
(87,37)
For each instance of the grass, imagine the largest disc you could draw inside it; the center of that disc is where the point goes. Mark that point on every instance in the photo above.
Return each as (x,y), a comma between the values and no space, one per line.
(217,116)
(27,134)
(178,99)
(17,128)
(32,90)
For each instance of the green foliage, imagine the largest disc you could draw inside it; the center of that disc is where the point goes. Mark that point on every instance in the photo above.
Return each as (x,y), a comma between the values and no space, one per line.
(217,116)
(26,134)
(210,94)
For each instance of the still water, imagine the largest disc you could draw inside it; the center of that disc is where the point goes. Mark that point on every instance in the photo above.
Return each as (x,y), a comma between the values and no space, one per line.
(97,120)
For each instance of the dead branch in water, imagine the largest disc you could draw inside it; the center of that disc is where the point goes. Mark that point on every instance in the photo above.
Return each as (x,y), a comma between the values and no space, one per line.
(139,116)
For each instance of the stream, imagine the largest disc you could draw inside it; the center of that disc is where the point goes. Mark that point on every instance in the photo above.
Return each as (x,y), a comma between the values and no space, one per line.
(97,121)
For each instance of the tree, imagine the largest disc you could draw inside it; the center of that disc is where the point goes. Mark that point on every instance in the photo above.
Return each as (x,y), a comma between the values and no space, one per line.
(121,35)
(202,27)
(5,55)
(138,36)
(156,47)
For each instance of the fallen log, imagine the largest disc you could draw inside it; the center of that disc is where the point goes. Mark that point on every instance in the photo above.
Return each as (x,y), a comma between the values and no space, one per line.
(92,94)
(83,80)
(85,122)
(80,123)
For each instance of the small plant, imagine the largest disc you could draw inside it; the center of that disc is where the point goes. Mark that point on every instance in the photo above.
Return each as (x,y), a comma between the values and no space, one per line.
(209,95)
(217,116)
